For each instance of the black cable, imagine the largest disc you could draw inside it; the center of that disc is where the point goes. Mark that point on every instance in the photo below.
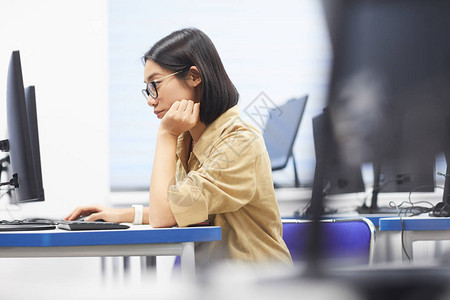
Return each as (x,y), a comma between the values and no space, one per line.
(414,209)
(403,242)
(378,189)
(393,204)
(421,187)
(420,210)
(442,174)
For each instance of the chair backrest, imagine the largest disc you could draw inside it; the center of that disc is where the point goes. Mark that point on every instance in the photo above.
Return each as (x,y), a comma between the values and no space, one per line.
(344,241)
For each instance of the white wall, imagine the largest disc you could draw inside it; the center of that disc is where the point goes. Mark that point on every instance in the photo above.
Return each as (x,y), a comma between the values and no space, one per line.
(63,47)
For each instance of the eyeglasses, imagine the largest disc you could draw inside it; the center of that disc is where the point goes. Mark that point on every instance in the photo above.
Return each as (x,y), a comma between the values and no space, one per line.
(151,90)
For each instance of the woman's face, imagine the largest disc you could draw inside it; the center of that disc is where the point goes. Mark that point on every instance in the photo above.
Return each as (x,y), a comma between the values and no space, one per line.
(170,89)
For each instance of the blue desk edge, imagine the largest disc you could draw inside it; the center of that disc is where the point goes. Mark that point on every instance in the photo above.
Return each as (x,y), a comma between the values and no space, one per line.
(58,238)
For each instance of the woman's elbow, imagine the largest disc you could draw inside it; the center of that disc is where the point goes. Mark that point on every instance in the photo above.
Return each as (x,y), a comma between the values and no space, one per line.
(162,222)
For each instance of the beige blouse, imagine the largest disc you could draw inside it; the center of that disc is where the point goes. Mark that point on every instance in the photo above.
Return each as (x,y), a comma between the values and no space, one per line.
(227,179)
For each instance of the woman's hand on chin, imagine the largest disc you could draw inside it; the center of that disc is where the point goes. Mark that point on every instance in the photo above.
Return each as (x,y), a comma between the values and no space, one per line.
(182,116)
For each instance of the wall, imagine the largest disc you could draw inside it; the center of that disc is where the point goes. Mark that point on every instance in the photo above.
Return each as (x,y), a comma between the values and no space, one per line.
(63,47)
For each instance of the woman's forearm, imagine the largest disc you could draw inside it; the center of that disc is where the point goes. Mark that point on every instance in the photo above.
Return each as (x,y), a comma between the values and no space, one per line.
(163,175)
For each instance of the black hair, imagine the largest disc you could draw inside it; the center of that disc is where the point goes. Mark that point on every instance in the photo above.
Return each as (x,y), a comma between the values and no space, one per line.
(191,47)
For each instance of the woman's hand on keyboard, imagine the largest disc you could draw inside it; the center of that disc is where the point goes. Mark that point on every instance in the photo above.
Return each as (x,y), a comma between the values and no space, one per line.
(101,212)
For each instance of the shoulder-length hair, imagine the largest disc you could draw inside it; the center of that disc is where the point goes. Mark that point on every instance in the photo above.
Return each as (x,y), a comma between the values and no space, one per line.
(191,47)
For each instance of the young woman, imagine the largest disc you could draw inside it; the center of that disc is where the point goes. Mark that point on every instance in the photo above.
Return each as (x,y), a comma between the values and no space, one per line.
(209,165)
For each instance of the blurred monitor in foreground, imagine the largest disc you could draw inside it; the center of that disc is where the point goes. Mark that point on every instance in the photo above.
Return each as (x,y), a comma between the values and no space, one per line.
(389,95)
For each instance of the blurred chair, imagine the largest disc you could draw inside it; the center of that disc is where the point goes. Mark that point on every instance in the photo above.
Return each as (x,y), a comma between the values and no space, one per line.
(345,242)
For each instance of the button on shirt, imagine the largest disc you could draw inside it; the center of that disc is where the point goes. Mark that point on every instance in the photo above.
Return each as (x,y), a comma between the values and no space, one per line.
(227,179)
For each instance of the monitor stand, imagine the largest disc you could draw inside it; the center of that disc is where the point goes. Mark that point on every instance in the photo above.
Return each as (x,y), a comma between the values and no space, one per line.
(373,208)
(296,178)
(442,209)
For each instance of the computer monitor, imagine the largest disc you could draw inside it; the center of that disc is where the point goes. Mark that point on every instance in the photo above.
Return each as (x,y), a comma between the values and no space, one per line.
(281,131)
(389,96)
(22,136)
(398,175)
(339,177)
(30,98)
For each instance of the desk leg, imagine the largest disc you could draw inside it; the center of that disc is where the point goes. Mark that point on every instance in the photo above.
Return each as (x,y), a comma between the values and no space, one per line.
(188,261)
(408,240)
(437,249)
(126,266)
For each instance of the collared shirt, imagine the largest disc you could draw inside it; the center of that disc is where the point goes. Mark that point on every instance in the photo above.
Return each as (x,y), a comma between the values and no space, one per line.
(227,179)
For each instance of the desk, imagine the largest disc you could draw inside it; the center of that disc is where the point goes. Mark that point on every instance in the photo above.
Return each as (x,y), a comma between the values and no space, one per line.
(142,240)
(375,218)
(417,229)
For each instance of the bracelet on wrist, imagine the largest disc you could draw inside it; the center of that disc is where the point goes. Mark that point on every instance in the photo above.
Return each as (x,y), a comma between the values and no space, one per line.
(138,214)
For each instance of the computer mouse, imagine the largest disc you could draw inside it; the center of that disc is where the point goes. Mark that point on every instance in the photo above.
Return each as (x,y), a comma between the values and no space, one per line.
(81,218)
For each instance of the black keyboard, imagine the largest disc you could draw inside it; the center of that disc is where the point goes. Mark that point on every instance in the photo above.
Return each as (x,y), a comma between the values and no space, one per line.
(30,221)
(83,225)
(26,227)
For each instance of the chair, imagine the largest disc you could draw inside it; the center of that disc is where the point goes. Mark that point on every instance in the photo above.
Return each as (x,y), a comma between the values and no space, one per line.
(344,241)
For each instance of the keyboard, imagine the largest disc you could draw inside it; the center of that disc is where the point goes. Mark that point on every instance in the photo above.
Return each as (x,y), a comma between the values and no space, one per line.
(83,225)
(26,227)
(48,224)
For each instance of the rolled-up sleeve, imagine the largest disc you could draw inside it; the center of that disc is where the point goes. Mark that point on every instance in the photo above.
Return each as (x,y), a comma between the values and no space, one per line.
(223,182)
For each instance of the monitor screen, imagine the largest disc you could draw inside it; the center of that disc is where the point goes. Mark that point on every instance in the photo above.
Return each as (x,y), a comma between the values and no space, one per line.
(281,130)
(23,143)
(280,133)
